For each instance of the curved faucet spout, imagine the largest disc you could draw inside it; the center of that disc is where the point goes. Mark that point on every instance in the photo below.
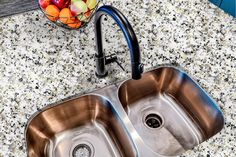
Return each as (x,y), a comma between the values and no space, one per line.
(123,23)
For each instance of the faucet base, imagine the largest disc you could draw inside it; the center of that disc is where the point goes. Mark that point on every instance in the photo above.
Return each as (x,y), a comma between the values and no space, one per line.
(101,76)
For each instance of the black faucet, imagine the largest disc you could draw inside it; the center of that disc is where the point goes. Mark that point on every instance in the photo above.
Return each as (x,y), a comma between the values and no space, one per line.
(101,59)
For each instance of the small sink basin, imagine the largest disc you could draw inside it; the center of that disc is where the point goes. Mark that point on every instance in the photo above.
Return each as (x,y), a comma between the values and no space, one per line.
(87,126)
(170,112)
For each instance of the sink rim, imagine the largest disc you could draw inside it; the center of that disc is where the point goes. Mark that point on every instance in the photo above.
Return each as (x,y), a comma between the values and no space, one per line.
(49,106)
(179,69)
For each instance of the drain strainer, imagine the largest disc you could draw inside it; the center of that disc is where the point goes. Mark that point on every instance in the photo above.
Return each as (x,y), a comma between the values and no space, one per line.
(153,121)
(82,150)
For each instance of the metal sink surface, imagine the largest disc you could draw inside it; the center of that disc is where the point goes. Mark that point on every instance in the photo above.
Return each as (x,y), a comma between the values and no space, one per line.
(165,113)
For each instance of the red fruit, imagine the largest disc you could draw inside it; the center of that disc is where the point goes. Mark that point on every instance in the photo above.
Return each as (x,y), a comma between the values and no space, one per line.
(44,3)
(73,13)
(88,14)
(61,3)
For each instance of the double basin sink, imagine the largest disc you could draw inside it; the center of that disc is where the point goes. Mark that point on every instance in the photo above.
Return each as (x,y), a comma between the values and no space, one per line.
(162,114)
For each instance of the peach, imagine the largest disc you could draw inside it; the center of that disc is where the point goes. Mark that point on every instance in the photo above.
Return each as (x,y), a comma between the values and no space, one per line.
(75,24)
(66,16)
(52,12)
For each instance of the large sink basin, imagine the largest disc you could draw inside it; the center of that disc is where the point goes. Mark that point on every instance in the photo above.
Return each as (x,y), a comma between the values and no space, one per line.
(86,126)
(164,113)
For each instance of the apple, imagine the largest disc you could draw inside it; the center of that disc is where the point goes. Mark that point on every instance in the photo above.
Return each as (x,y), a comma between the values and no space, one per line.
(61,3)
(78,6)
(91,4)
(44,3)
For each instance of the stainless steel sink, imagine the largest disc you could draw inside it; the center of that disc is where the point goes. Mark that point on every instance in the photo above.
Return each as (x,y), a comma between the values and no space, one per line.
(164,113)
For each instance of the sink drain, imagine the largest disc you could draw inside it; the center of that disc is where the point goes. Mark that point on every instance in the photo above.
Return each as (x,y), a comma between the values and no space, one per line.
(82,150)
(153,121)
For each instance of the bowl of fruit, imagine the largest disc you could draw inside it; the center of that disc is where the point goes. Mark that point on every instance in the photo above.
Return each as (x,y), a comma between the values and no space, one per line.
(72,14)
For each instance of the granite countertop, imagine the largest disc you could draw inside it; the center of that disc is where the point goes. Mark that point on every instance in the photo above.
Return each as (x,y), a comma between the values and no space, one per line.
(42,64)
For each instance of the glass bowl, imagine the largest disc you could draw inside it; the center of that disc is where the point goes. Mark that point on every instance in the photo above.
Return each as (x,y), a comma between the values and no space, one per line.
(70,14)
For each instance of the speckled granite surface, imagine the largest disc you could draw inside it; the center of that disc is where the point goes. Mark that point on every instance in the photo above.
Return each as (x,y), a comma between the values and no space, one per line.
(41,64)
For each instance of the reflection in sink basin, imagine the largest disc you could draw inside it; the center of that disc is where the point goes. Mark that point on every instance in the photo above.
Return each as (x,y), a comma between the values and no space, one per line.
(170,112)
(87,126)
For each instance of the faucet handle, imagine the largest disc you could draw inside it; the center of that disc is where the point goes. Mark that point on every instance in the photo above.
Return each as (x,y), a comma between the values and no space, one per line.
(110,59)
(113,58)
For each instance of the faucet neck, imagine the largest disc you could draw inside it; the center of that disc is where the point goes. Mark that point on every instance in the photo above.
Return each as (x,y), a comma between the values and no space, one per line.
(123,23)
